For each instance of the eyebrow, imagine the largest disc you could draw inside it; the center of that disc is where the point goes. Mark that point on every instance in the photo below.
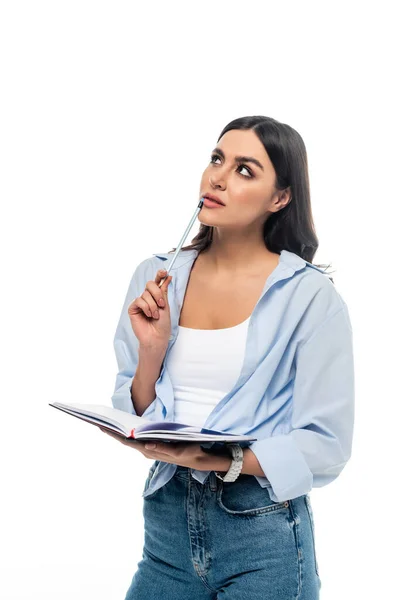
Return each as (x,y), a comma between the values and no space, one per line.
(238,159)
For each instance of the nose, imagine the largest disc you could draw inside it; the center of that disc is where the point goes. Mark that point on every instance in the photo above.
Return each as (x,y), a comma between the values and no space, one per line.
(215,185)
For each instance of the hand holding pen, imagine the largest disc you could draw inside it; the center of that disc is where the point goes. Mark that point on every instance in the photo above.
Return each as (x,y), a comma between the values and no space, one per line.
(150,313)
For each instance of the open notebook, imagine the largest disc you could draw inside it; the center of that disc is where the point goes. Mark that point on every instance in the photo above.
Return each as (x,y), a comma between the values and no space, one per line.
(133,427)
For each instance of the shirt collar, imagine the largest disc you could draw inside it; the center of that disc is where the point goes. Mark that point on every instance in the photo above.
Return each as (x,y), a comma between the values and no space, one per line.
(291,259)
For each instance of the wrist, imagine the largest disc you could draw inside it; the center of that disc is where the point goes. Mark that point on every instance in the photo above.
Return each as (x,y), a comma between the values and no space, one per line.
(225,465)
(146,353)
(211,462)
(150,362)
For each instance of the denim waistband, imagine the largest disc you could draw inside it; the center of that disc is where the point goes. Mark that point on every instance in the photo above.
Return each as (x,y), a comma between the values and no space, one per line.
(185,473)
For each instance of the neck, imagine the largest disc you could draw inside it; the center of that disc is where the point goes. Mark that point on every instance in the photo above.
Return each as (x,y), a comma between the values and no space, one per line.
(237,257)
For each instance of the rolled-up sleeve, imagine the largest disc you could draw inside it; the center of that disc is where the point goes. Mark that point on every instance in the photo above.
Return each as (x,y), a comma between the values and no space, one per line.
(126,347)
(319,443)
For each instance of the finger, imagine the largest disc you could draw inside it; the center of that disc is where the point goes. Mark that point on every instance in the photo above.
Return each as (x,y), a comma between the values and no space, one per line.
(160,275)
(161,448)
(148,297)
(162,280)
(164,285)
(139,305)
(157,291)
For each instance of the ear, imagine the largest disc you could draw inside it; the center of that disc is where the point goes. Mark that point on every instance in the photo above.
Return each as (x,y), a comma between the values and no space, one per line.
(284,198)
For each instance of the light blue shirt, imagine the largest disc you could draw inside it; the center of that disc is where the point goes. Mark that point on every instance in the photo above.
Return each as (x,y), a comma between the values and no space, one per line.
(295,392)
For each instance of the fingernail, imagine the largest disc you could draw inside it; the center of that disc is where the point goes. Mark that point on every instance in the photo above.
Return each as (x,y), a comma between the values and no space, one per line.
(150,446)
(161,302)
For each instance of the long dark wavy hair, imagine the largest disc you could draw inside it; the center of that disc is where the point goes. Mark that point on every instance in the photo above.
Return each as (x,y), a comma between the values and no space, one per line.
(291,228)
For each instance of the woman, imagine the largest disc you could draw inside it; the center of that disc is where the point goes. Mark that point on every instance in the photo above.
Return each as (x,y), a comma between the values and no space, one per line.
(250,338)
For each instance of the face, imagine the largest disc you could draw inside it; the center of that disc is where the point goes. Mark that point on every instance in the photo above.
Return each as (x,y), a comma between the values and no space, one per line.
(247,189)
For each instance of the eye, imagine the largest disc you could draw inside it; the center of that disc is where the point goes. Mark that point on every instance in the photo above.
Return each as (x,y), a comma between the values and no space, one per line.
(240,166)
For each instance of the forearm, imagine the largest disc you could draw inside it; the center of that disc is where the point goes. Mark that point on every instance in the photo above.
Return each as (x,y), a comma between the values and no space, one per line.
(251,466)
(143,384)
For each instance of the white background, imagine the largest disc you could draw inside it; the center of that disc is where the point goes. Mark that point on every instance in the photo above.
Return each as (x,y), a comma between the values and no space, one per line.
(109,112)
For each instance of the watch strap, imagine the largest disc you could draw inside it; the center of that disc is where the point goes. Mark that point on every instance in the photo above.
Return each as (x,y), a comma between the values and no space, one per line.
(236,464)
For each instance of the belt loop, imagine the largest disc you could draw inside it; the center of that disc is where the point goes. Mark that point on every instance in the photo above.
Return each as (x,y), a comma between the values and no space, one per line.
(213,481)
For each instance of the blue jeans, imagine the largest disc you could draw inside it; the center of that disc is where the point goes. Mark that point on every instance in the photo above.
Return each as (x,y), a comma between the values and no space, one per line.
(225,541)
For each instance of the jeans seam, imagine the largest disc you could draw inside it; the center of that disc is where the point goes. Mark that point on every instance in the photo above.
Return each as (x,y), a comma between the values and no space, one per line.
(311,518)
(299,554)
(201,573)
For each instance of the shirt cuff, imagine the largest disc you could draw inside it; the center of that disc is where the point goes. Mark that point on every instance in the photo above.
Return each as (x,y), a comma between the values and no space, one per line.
(284,466)
(123,401)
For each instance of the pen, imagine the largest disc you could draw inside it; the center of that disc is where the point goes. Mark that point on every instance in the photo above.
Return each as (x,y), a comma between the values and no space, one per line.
(188,228)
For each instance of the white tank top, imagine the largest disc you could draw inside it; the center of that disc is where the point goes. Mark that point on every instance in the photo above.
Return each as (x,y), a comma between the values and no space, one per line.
(204,364)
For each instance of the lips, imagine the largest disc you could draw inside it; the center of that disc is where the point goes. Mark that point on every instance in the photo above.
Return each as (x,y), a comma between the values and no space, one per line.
(215,198)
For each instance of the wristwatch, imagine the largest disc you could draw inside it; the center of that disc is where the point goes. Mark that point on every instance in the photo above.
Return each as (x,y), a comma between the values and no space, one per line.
(236,464)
